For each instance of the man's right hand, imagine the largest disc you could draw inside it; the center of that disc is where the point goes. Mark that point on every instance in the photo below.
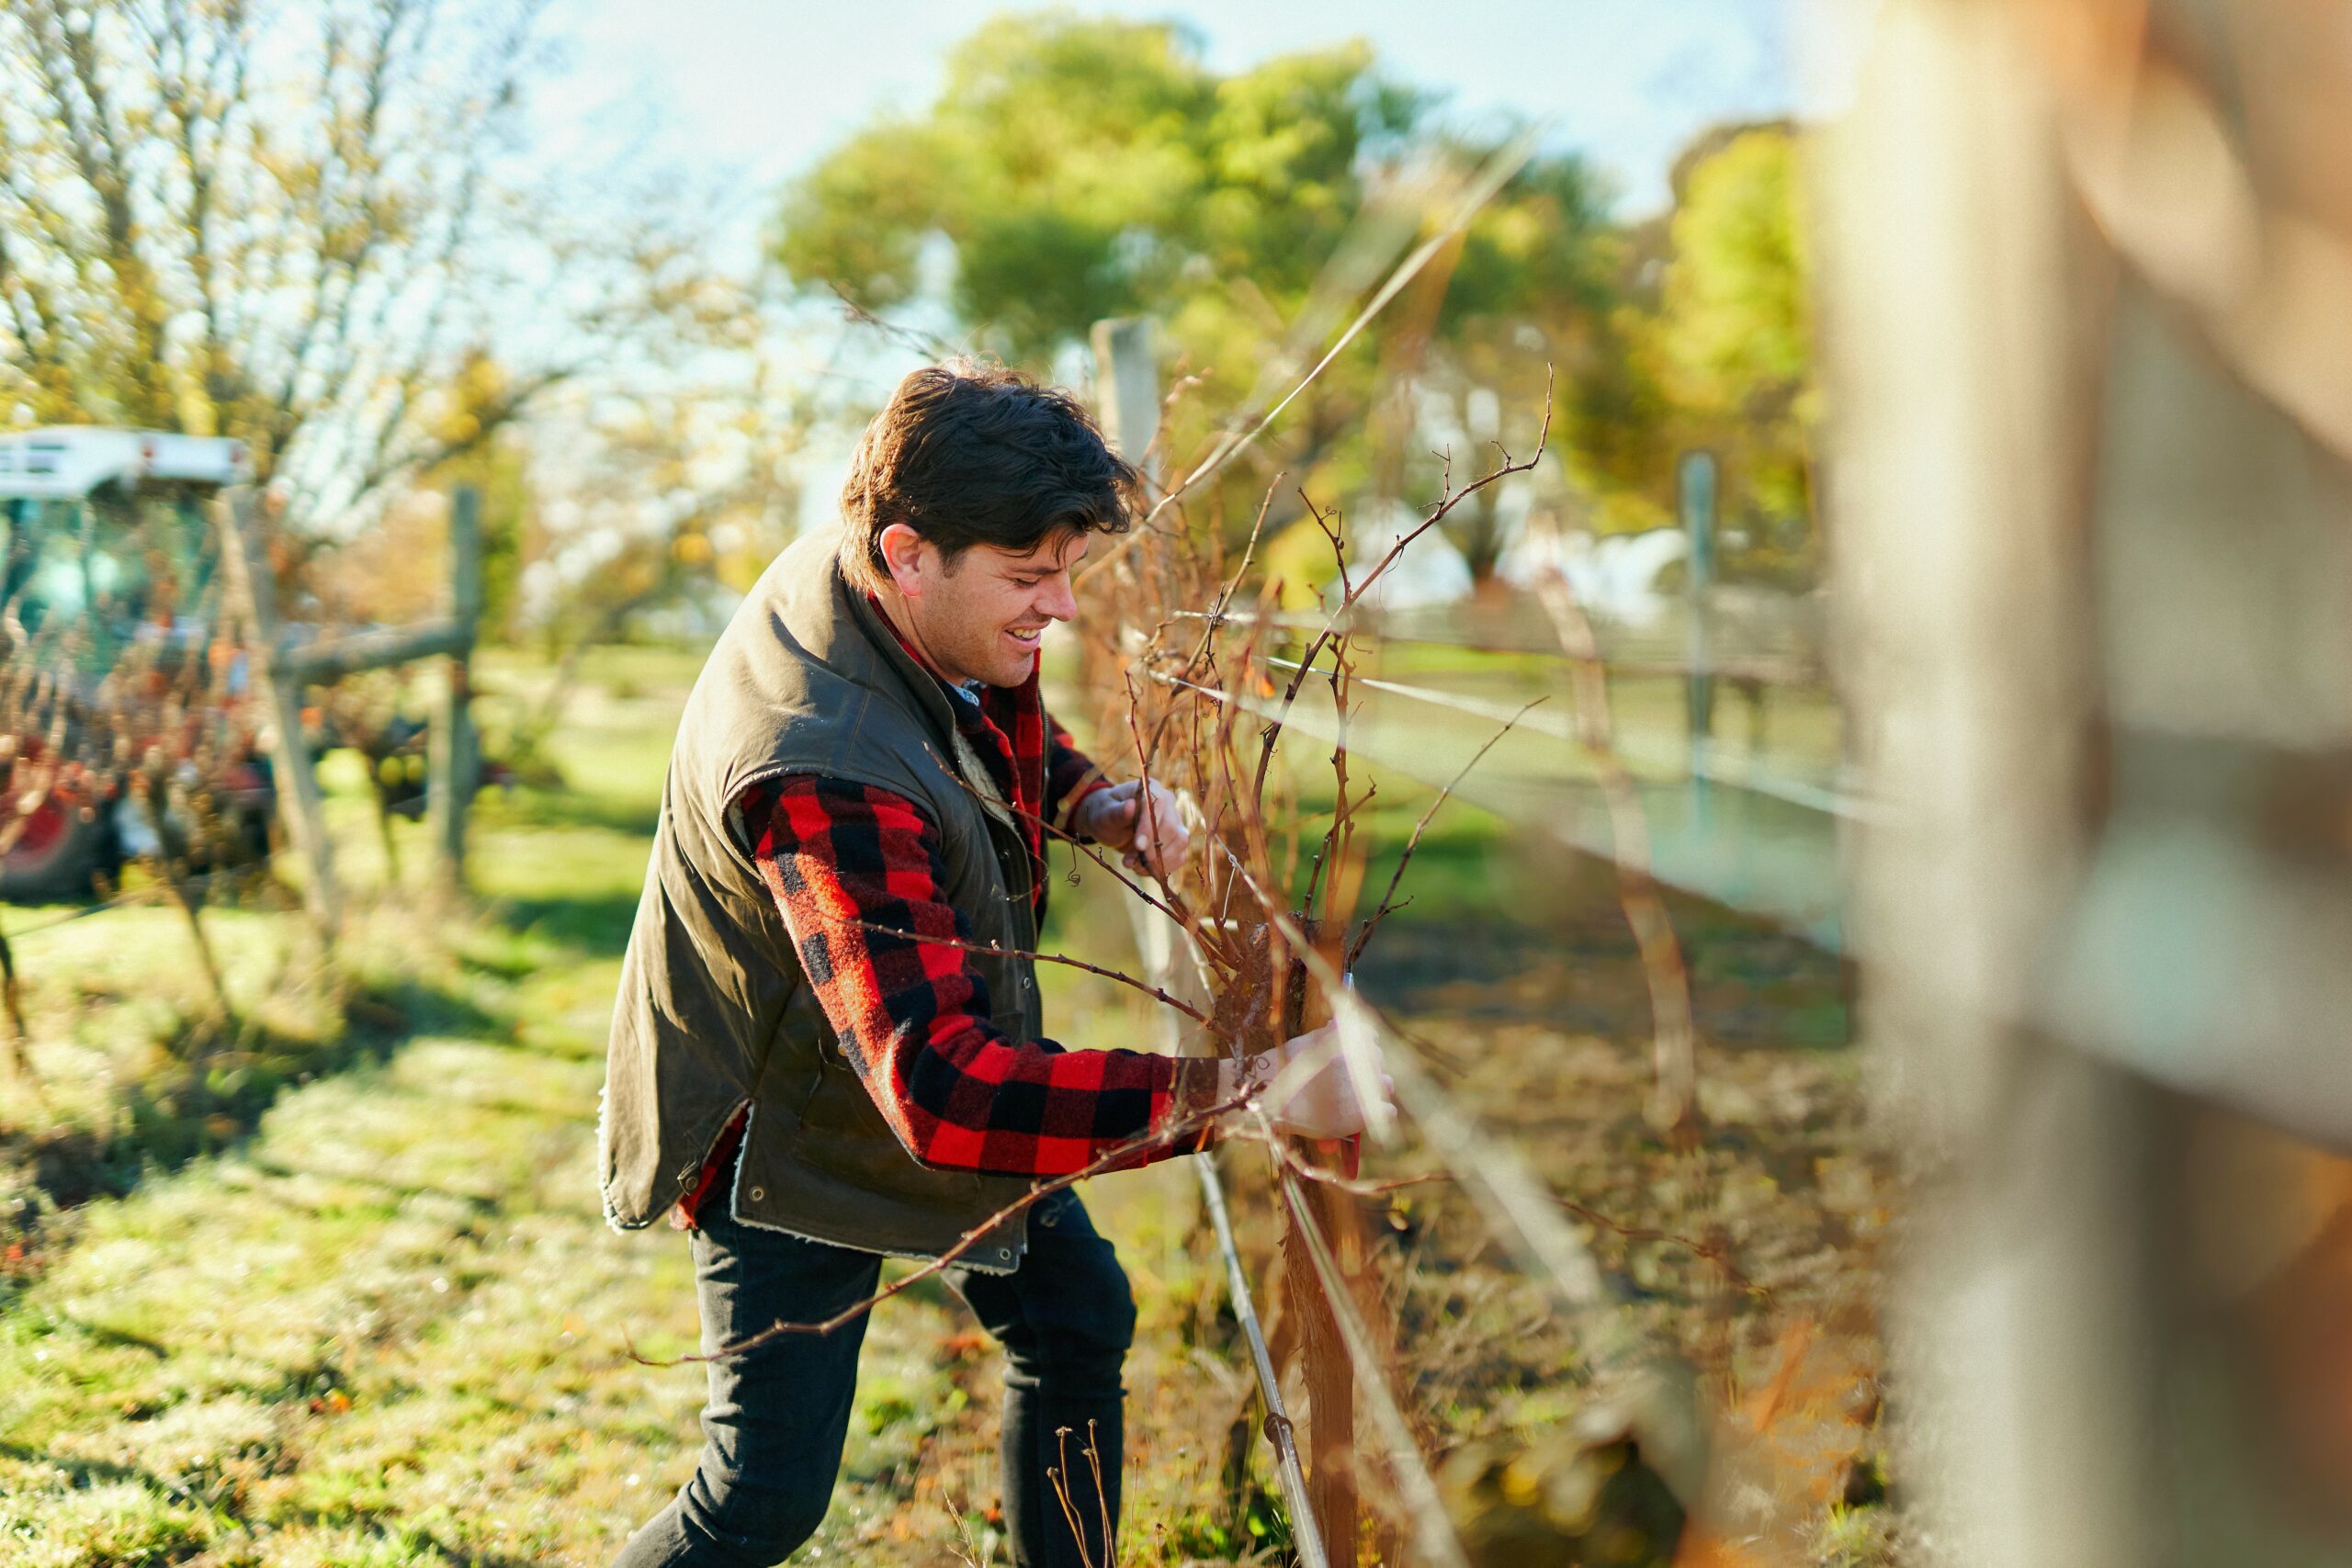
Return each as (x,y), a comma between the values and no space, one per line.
(1318,1098)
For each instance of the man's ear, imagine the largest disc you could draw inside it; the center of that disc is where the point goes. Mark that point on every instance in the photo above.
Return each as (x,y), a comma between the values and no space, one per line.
(903,557)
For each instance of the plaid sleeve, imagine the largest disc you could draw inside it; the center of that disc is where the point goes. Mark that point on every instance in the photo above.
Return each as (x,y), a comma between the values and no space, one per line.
(913,1016)
(1070,775)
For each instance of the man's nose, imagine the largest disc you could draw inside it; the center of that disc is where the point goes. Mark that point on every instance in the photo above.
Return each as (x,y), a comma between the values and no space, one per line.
(1057,602)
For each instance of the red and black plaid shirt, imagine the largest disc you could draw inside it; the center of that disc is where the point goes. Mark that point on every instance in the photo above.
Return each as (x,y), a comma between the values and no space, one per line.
(914,1015)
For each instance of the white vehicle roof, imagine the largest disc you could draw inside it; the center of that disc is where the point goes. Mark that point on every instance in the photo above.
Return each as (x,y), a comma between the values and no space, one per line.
(63,462)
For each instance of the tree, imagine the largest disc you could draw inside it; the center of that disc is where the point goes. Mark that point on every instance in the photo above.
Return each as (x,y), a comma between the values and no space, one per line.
(299,224)
(1083,169)
(1528,306)
(670,501)
(1078,169)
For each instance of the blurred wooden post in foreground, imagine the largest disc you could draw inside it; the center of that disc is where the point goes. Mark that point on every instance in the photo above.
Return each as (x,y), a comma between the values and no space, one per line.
(454,761)
(2089,284)
(278,688)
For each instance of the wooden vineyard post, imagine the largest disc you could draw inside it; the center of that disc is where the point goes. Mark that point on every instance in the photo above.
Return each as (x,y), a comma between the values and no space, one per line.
(277,687)
(1129,374)
(1330,1381)
(454,756)
(1694,484)
(1330,1371)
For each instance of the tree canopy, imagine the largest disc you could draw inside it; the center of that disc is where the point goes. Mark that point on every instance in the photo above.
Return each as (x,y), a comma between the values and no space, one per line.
(1085,169)
(1073,169)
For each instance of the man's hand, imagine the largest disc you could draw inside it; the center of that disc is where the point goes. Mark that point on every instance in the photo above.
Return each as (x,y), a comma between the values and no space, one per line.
(1304,1085)
(1150,832)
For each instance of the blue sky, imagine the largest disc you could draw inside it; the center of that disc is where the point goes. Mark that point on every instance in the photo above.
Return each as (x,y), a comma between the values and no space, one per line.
(764,87)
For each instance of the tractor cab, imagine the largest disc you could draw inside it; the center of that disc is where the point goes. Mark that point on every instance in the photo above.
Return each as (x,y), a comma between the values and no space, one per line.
(104,547)
(107,528)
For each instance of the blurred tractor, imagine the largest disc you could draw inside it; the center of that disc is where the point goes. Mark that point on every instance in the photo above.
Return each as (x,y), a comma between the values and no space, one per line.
(123,723)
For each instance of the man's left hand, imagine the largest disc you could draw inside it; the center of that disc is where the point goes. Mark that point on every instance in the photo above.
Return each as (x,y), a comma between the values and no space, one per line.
(1149,829)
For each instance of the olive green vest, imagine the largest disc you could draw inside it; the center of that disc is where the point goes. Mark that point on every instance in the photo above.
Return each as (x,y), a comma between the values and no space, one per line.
(714,1013)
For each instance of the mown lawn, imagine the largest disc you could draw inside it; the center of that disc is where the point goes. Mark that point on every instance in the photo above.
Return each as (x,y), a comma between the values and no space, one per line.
(386,1323)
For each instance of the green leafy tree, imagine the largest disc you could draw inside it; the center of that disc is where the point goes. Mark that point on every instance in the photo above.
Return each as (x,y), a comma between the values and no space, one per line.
(1735,337)
(1084,169)
(1080,169)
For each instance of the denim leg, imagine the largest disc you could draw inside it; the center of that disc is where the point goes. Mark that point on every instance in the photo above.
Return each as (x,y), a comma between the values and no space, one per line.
(777,1416)
(1065,1319)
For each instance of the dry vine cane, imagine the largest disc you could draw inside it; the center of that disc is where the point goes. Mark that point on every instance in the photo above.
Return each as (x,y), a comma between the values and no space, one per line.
(1674,1104)
(1207,697)
(1207,717)
(1190,1126)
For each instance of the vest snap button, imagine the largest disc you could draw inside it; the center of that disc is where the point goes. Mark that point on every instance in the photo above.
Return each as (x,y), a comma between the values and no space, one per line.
(757,1193)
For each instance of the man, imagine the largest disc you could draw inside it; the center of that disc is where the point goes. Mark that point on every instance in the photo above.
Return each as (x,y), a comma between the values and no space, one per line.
(819,1059)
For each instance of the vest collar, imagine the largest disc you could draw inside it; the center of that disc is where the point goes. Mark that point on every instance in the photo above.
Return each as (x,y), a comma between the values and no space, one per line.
(913,674)
(816,605)
(840,622)
(967,760)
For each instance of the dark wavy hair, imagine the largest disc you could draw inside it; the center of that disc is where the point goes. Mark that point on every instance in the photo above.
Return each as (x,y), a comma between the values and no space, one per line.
(968,454)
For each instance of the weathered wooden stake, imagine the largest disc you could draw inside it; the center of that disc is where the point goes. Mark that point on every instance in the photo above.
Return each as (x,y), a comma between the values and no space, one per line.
(19,1037)
(1694,484)
(1330,1374)
(1127,374)
(252,593)
(455,755)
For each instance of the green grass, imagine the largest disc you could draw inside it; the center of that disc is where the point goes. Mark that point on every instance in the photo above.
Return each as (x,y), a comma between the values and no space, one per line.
(384,1323)
(136,1070)
(385,1327)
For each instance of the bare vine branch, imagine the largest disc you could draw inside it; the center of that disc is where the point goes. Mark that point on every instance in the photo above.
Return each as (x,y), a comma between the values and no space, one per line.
(1388,898)
(1167,1137)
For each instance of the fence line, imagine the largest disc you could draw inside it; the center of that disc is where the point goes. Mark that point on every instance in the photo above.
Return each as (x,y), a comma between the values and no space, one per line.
(1839,802)
(1792,671)
(1753,848)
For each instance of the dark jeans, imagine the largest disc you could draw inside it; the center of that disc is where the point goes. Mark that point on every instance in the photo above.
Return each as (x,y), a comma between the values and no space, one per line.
(777,1416)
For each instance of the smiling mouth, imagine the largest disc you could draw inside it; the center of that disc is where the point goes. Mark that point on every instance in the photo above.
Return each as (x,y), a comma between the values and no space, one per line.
(1026,636)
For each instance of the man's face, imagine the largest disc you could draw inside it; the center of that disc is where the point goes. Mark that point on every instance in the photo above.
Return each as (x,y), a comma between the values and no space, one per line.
(980,617)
